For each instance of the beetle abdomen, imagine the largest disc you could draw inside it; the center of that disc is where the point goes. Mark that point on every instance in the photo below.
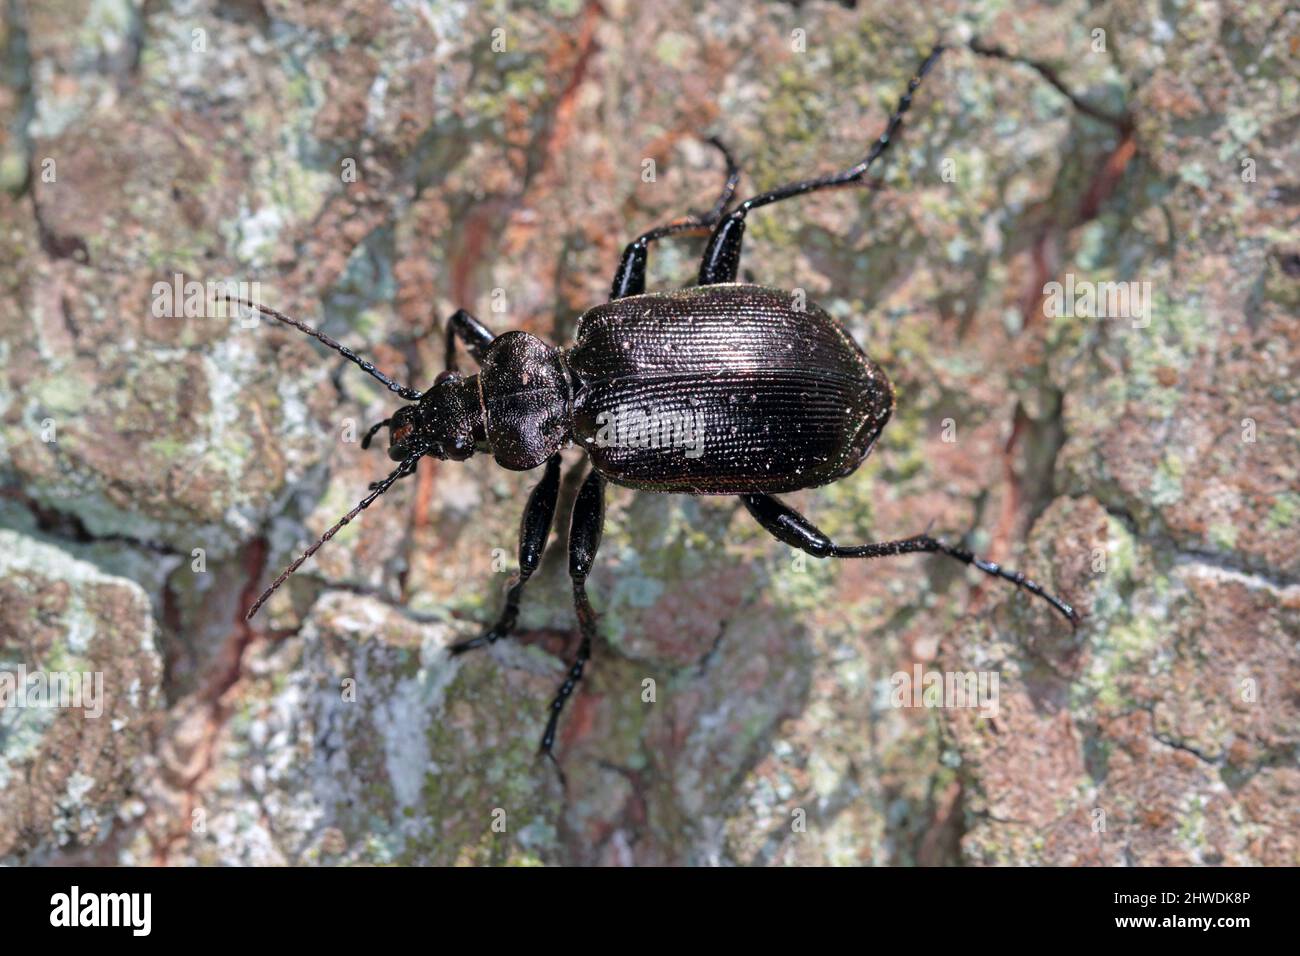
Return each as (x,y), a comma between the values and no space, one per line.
(723,389)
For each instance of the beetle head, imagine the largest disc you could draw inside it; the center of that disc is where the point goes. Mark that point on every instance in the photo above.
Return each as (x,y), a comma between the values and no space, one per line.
(445,423)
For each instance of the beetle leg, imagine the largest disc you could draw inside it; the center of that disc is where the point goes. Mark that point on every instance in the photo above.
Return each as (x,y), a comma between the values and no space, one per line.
(469,330)
(534,529)
(721,261)
(630,277)
(788,526)
(584,540)
(369,436)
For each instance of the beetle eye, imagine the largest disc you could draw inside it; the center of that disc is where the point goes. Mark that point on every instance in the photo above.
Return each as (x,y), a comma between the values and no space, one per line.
(443,376)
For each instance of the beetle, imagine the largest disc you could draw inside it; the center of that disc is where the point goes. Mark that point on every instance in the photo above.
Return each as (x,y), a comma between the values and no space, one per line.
(750,392)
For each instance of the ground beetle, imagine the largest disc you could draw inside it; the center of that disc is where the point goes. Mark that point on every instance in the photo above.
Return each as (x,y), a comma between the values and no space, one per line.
(774,393)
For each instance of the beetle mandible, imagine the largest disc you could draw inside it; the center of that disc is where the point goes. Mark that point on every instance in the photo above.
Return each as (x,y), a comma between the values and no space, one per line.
(777,392)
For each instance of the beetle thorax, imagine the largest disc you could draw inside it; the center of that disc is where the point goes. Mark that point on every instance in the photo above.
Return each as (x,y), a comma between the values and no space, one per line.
(525,396)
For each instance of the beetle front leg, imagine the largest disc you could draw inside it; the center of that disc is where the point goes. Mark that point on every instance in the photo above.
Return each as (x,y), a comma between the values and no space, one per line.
(584,541)
(369,436)
(789,526)
(534,529)
(469,330)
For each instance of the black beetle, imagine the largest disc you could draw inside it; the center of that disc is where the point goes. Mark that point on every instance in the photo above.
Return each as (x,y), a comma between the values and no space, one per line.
(718,389)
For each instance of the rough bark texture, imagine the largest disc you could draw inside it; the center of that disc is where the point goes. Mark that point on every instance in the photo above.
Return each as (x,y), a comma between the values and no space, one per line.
(1146,471)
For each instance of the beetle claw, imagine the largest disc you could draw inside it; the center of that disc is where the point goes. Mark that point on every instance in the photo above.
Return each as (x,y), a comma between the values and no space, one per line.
(546,752)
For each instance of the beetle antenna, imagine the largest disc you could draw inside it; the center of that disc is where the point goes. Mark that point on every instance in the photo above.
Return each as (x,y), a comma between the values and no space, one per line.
(410,394)
(401,471)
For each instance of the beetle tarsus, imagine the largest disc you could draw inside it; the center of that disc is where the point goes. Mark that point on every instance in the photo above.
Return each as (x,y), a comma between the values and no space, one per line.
(1048,73)
(534,530)
(790,527)
(559,771)
(721,262)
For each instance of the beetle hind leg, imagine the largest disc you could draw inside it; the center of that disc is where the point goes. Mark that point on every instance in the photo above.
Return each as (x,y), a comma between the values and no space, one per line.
(630,277)
(788,526)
